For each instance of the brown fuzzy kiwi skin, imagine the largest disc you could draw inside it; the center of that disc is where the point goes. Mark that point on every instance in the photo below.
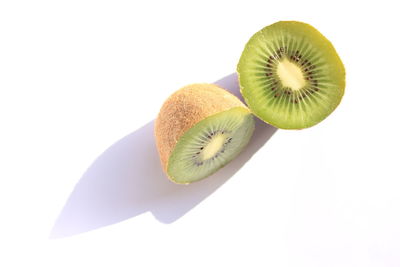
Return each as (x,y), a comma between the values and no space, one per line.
(183,109)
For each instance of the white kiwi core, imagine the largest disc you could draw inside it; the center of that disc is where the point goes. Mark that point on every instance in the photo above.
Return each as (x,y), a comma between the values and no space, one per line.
(213,146)
(290,75)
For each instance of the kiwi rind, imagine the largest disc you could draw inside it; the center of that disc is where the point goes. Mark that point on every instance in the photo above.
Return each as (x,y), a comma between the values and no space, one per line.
(254,53)
(184,109)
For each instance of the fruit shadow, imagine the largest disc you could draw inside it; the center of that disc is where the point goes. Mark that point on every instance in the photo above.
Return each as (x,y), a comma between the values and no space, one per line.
(127,180)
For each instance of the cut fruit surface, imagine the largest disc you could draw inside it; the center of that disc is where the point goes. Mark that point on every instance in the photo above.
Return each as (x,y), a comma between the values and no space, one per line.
(210,144)
(290,75)
(199,129)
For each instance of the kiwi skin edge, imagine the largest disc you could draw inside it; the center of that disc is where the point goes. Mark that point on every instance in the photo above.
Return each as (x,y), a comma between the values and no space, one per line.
(183,109)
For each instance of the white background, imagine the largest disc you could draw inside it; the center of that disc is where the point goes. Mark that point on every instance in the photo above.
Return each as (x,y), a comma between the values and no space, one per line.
(79,78)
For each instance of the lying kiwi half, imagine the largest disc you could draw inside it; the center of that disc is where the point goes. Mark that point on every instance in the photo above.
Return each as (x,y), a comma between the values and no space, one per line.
(290,75)
(199,129)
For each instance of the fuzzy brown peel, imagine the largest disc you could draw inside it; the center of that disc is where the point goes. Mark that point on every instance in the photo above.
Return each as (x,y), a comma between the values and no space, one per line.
(186,107)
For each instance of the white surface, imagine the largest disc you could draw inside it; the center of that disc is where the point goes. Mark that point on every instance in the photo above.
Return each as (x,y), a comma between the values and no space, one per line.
(79,78)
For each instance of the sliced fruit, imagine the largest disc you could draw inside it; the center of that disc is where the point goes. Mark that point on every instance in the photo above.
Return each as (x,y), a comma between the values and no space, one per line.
(290,75)
(199,129)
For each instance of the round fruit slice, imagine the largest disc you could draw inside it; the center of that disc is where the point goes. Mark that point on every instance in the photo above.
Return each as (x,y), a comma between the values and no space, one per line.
(290,75)
(199,129)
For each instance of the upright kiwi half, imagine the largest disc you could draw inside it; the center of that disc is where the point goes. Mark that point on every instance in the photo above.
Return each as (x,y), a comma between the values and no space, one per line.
(290,75)
(199,129)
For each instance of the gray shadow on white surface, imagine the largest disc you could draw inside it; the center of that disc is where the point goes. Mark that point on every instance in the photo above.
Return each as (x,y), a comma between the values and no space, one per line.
(127,180)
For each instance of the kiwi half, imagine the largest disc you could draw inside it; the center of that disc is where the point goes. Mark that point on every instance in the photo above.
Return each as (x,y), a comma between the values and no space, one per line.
(290,75)
(199,129)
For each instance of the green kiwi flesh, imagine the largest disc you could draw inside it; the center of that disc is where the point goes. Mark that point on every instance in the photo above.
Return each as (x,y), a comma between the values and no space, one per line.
(290,75)
(210,144)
